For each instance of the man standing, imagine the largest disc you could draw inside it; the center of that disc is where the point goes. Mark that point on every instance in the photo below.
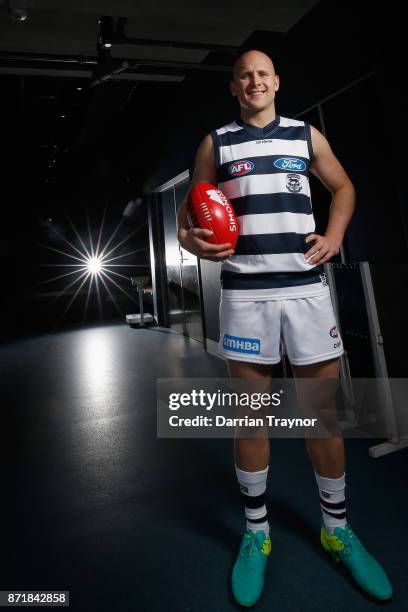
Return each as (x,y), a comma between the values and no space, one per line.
(272,291)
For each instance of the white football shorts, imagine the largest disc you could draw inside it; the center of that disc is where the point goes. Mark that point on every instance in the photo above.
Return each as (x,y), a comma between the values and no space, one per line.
(254,331)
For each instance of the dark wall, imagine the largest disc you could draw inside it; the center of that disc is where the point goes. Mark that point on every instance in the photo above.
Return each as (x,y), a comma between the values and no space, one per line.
(62,166)
(199,105)
(389,283)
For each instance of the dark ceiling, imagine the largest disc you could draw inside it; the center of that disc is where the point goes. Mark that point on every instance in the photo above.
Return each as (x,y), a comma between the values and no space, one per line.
(64,91)
(70,27)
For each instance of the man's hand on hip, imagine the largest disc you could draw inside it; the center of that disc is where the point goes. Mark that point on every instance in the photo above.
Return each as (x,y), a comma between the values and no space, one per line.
(323,249)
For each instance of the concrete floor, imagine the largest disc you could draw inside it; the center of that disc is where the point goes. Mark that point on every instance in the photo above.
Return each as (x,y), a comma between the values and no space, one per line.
(94,503)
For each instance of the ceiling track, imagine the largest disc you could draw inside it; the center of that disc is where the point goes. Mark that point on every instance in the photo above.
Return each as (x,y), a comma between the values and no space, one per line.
(145,42)
(85,62)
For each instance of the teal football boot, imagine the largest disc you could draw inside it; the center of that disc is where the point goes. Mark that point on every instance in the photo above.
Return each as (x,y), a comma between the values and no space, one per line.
(249,569)
(345,546)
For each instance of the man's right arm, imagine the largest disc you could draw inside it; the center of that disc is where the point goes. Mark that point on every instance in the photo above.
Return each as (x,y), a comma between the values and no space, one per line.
(193,239)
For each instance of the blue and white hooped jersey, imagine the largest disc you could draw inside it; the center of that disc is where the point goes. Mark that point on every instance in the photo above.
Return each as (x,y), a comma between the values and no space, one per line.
(264,172)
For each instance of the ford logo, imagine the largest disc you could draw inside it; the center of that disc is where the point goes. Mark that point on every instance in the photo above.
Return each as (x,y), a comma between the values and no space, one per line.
(241,167)
(290,163)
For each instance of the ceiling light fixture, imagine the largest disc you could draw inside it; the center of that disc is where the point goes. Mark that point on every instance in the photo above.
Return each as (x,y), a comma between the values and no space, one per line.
(18,10)
(105,37)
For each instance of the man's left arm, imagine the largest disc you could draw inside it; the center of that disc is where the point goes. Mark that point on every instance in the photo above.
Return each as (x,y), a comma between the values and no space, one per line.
(330,172)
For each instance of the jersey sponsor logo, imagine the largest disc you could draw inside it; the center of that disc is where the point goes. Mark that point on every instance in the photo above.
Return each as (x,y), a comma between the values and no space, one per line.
(290,163)
(263,141)
(218,196)
(293,183)
(250,346)
(333,332)
(240,168)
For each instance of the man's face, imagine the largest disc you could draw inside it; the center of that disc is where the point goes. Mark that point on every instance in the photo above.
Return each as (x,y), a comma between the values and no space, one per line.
(255,82)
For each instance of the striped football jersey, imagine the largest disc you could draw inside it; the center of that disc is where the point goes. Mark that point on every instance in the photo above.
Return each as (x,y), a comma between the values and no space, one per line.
(264,172)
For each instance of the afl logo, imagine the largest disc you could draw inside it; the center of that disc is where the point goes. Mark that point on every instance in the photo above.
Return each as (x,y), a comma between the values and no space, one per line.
(240,168)
(334,333)
(290,163)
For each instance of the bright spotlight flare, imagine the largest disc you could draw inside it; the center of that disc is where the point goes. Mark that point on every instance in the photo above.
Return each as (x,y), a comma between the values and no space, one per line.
(94,265)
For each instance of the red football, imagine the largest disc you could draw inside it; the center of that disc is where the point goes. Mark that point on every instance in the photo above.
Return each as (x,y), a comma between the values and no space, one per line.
(208,208)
